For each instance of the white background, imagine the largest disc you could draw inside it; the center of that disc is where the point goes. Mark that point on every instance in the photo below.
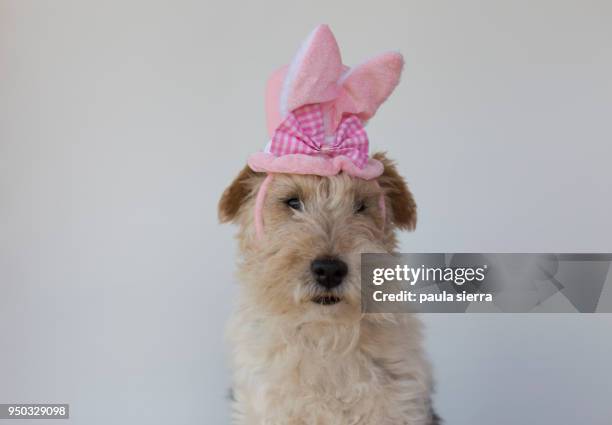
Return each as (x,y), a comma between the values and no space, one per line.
(121,122)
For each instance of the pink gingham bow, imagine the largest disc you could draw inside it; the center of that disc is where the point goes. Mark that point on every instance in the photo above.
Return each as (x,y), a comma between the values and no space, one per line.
(303,132)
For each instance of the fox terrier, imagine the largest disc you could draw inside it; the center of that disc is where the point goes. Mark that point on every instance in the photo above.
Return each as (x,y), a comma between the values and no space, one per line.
(307,207)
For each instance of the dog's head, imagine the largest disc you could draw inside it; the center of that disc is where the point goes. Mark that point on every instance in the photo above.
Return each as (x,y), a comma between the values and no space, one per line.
(307,260)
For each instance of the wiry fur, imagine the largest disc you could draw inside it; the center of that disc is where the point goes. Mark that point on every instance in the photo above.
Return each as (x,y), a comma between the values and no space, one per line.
(298,362)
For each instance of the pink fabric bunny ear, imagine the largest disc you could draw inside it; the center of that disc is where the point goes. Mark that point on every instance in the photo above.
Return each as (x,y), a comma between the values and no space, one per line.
(312,77)
(313,74)
(366,86)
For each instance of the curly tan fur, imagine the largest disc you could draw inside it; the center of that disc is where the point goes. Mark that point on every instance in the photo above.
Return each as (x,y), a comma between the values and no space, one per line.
(296,362)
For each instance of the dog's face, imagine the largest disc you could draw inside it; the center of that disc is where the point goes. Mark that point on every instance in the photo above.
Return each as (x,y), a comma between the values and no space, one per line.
(307,262)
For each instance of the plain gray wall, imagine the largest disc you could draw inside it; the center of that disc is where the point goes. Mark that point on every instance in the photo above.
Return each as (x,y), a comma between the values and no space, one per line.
(121,122)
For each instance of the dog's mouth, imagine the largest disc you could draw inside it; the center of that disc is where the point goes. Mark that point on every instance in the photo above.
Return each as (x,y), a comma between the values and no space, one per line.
(326,299)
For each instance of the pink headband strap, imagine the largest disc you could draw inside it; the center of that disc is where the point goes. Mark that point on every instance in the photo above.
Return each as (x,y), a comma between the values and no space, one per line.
(261,197)
(381,205)
(259,201)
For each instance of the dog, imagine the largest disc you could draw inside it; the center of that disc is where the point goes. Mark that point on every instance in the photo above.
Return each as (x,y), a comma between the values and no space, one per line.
(303,353)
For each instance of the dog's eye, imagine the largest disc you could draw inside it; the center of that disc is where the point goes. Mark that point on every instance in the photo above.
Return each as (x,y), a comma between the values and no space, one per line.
(294,203)
(360,207)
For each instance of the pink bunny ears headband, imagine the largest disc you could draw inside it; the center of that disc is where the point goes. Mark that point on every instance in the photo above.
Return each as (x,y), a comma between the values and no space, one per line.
(316,111)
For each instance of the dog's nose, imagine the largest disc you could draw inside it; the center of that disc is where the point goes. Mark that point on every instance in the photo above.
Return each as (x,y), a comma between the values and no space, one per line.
(329,272)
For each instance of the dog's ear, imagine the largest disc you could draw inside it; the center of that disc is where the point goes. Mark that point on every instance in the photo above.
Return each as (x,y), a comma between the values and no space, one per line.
(399,197)
(237,194)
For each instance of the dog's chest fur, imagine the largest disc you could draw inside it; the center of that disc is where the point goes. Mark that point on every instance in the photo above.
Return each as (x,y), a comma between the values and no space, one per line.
(368,372)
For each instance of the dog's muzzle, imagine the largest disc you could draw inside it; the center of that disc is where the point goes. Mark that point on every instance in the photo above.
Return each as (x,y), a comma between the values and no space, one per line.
(328,271)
